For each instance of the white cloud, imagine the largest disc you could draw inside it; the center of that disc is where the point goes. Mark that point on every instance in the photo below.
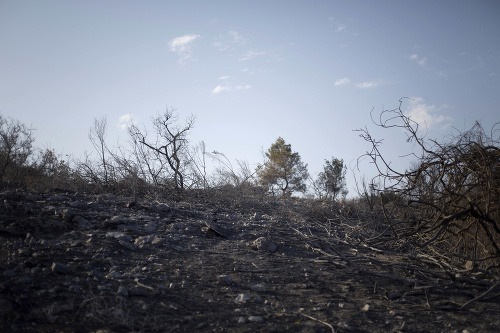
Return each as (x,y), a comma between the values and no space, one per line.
(245,87)
(182,46)
(426,116)
(342,81)
(224,77)
(366,85)
(341,27)
(421,61)
(236,37)
(126,120)
(251,55)
(228,40)
(219,89)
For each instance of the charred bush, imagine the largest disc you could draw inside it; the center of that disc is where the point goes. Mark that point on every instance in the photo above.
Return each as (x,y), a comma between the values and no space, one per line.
(449,200)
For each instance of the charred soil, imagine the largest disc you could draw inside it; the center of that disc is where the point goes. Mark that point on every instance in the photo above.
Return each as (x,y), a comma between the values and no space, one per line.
(73,262)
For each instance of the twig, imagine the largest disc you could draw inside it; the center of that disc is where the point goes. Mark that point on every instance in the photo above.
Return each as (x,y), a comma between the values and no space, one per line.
(482,296)
(318,320)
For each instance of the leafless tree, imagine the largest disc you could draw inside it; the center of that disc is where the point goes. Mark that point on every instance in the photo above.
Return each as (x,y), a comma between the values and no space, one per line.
(16,146)
(454,188)
(171,143)
(97,136)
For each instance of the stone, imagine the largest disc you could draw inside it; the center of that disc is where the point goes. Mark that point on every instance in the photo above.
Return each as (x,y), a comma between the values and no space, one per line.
(150,227)
(264,244)
(122,291)
(142,241)
(119,235)
(241,320)
(68,214)
(255,319)
(127,245)
(114,275)
(258,287)
(224,280)
(75,289)
(242,298)
(59,268)
(157,241)
(83,224)
(162,207)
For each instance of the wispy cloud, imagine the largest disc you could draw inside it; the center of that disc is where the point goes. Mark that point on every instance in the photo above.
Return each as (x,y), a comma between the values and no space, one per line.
(228,40)
(341,27)
(367,84)
(219,89)
(224,77)
(342,81)
(426,116)
(421,61)
(251,55)
(182,45)
(125,120)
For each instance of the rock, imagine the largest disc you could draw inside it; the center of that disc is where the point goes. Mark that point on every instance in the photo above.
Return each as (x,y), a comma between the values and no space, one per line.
(116,220)
(242,298)
(241,320)
(143,240)
(59,268)
(157,241)
(264,244)
(120,236)
(122,291)
(150,227)
(114,275)
(83,224)
(75,289)
(258,300)
(224,280)
(258,287)
(255,319)
(127,245)
(214,229)
(68,214)
(162,207)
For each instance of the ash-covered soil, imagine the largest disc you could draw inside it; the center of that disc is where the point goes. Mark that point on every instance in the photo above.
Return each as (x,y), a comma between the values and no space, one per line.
(72,262)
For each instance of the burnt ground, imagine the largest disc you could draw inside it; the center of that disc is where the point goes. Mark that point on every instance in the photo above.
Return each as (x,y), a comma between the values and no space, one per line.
(72,262)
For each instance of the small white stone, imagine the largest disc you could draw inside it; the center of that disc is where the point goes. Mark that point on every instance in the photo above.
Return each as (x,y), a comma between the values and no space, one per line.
(242,298)
(255,319)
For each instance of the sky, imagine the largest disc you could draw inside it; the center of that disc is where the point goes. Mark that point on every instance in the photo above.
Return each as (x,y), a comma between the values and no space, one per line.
(310,72)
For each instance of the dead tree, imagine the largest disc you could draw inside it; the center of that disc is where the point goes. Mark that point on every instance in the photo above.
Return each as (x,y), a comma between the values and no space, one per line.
(171,143)
(454,189)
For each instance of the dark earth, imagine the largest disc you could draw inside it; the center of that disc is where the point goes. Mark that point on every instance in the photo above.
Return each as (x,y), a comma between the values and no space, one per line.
(73,262)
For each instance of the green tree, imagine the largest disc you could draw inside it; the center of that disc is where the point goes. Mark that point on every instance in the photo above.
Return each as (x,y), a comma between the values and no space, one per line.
(283,171)
(331,181)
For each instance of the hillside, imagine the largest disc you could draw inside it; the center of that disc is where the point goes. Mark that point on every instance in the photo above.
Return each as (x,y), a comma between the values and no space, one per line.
(75,262)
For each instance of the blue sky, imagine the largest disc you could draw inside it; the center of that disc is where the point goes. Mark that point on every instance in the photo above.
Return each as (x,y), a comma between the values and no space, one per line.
(250,71)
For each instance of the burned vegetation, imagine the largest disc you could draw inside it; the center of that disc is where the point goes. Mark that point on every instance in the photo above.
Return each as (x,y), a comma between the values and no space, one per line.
(145,240)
